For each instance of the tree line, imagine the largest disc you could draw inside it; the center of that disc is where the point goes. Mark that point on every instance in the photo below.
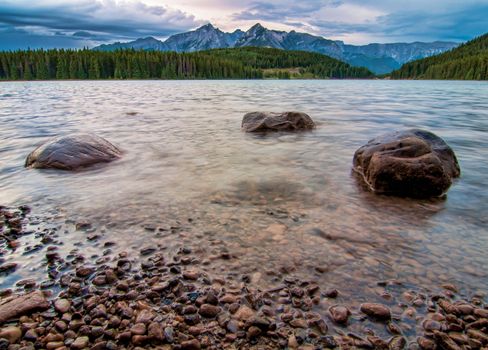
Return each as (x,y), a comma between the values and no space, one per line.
(245,63)
(310,64)
(466,62)
(121,64)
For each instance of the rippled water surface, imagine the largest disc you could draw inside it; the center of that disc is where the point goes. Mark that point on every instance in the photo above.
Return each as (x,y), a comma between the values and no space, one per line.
(282,203)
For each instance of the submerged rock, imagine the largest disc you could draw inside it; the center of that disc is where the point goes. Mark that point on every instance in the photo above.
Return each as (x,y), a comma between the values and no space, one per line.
(267,121)
(414,163)
(72,152)
(339,314)
(377,311)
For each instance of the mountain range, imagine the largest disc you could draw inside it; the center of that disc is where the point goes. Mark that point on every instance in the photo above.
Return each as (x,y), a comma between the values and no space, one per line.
(379,58)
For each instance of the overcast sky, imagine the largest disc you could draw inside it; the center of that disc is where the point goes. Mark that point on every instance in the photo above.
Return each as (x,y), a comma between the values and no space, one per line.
(79,23)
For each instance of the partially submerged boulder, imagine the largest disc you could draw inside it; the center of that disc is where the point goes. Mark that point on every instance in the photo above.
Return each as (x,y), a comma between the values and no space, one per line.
(413,163)
(72,152)
(268,121)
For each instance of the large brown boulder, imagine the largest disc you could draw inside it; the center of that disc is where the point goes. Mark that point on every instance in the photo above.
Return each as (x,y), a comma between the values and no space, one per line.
(268,121)
(72,152)
(413,163)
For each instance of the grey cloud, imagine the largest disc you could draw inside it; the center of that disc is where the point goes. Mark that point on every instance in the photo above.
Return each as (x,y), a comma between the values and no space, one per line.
(413,21)
(103,20)
(280,10)
(83,34)
(460,24)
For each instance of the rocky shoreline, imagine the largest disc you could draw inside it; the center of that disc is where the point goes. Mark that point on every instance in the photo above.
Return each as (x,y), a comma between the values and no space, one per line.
(166,300)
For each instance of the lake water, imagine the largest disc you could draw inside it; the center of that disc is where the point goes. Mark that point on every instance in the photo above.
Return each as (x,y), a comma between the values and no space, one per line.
(281,204)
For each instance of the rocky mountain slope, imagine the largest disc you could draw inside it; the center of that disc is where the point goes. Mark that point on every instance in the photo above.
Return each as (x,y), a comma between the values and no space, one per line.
(379,58)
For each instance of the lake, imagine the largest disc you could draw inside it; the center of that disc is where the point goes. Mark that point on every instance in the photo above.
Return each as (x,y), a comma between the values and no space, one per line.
(281,204)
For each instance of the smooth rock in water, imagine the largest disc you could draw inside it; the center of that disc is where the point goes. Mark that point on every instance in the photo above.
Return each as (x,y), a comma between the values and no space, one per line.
(397,343)
(267,121)
(378,311)
(21,305)
(72,152)
(340,314)
(8,267)
(414,163)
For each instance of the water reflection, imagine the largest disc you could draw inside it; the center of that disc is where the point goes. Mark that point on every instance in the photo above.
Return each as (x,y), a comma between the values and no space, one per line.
(413,211)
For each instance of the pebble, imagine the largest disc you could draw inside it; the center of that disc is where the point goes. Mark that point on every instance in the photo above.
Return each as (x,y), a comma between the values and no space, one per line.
(55,345)
(190,309)
(431,325)
(138,329)
(191,275)
(483,313)
(145,316)
(193,344)
(450,287)
(99,280)
(4,344)
(31,335)
(253,332)
(80,343)
(169,334)
(208,310)
(11,333)
(228,299)
(331,293)
(397,343)
(147,251)
(377,311)
(84,271)
(8,267)
(340,314)
(292,342)
(298,323)
(155,331)
(62,305)
(244,313)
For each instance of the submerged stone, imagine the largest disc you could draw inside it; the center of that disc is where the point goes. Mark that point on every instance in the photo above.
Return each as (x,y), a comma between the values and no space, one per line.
(414,163)
(72,152)
(268,121)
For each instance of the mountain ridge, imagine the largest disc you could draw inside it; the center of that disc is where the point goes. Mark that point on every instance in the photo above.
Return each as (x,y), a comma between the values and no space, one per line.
(379,58)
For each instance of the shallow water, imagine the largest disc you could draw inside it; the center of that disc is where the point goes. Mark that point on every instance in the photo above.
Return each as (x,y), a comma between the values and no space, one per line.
(281,204)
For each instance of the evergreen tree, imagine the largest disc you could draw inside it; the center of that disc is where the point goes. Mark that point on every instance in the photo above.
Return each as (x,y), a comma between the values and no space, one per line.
(466,62)
(240,63)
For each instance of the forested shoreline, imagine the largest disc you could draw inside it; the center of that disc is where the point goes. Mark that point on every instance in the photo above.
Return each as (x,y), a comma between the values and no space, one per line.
(466,62)
(245,63)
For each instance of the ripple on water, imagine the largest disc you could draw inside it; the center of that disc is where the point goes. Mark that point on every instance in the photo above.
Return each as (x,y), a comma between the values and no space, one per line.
(281,202)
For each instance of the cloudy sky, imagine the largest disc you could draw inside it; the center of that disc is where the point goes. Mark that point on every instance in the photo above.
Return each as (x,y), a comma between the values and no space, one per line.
(79,23)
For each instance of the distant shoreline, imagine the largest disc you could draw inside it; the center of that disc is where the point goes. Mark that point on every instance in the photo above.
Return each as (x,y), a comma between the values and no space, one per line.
(266,79)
